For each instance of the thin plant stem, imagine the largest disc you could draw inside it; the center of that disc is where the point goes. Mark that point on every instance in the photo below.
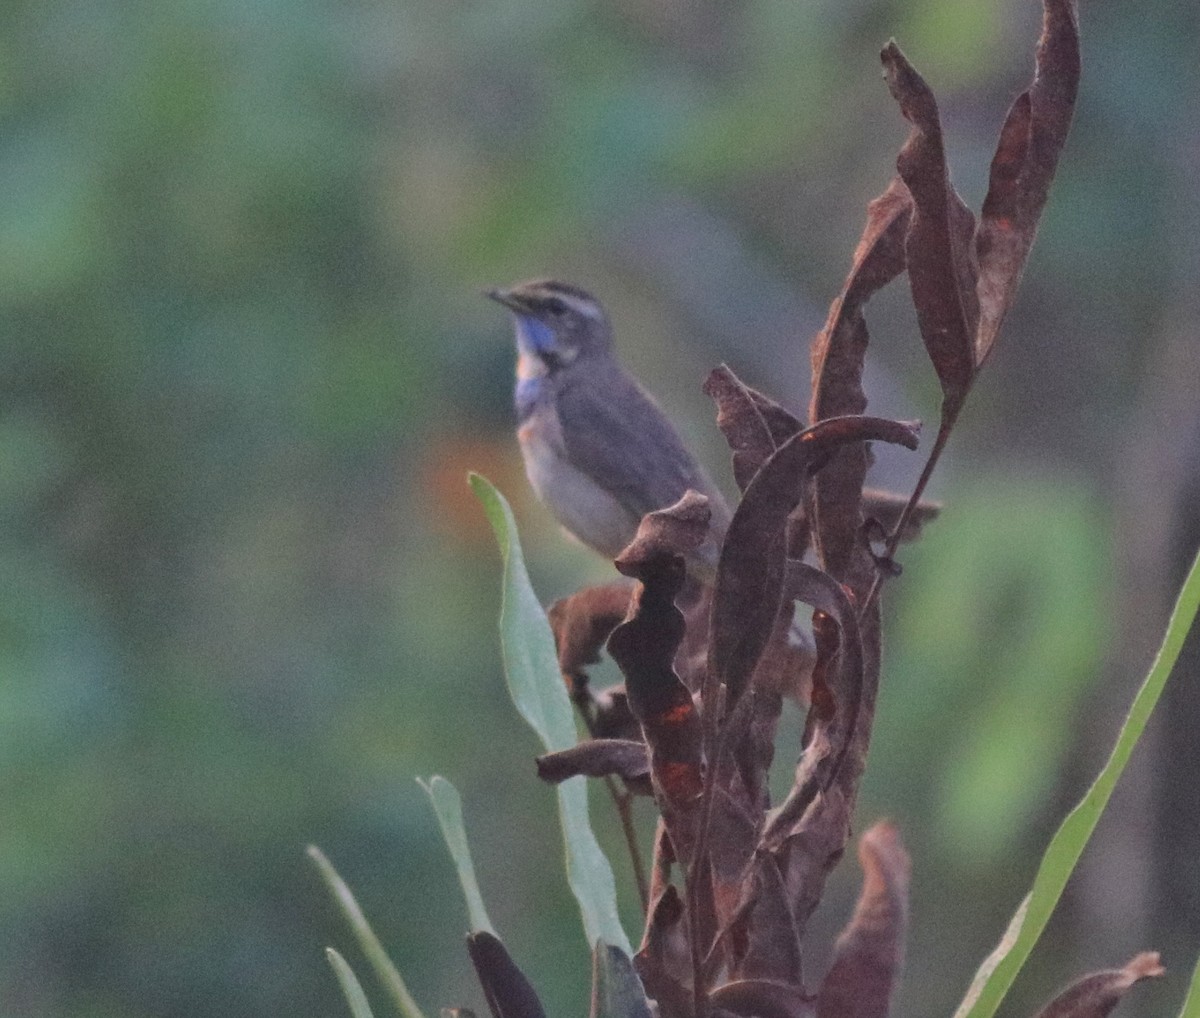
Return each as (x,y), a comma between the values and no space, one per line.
(624,803)
(949,416)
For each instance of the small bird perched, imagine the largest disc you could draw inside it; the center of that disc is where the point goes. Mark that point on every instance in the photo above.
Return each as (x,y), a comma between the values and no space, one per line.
(598,450)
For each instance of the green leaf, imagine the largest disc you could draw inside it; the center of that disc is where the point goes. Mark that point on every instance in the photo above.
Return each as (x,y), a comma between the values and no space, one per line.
(998,972)
(447,804)
(616,989)
(1191,1003)
(537,689)
(385,971)
(350,985)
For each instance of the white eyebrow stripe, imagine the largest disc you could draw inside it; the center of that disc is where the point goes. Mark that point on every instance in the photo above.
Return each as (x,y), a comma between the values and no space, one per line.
(587,308)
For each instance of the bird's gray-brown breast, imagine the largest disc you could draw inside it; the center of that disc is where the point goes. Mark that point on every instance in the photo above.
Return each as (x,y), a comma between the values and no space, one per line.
(614,433)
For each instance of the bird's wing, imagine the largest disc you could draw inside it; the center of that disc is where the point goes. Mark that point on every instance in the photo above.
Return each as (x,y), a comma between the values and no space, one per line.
(616,434)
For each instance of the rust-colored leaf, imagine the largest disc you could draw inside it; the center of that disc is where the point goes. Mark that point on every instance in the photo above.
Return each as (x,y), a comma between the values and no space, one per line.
(583,621)
(870,951)
(644,647)
(509,994)
(599,758)
(837,365)
(1023,167)
(1096,995)
(762,998)
(749,584)
(938,248)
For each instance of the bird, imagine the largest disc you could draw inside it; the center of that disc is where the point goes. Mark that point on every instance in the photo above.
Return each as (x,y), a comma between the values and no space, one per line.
(599,451)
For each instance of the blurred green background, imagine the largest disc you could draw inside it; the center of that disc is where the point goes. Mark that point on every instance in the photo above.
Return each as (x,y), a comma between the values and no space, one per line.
(245,366)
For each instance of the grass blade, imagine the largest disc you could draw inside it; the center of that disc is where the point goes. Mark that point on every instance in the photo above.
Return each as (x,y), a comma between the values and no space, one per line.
(447,804)
(537,690)
(1191,1003)
(351,987)
(385,971)
(998,972)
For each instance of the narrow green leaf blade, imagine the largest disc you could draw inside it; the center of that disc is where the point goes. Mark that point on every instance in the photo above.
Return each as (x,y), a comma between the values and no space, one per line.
(1191,1003)
(351,987)
(530,660)
(537,690)
(447,805)
(998,972)
(385,971)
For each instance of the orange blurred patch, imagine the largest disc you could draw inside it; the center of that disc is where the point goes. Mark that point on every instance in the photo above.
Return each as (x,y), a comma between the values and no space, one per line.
(449,507)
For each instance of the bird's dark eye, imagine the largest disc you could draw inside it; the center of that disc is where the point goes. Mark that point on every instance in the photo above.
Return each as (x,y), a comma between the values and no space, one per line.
(556,306)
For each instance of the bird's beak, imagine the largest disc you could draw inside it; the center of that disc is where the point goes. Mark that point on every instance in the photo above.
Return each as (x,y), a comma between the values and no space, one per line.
(506,298)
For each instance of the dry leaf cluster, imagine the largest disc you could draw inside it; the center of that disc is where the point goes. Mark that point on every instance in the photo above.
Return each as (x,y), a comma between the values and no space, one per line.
(735,877)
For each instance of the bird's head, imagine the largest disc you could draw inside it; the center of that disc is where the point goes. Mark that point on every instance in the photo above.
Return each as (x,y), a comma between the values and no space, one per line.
(556,323)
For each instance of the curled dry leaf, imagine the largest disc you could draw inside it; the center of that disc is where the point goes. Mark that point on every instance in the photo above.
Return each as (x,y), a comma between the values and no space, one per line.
(762,998)
(870,951)
(583,621)
(836,709)
(664,960)
(886,507)
(749,583)
(753,425)
(644,647)
(1096,995)
(599,758)
(837,366)
(1023,168)
(938,248)
(509,994)
(771,944)
(733,833)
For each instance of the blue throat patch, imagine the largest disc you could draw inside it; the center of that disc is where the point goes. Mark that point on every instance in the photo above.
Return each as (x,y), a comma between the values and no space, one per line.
(535,336)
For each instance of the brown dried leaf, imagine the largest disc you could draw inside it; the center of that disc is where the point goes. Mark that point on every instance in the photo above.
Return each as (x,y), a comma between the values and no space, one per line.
(938,248)
(772,945)
(583,621)
(753,425)
(762,998)
(836,709)
(837,366)
(870,951)
(1096,995)
(733,833)
(664,960)
(598,758)
(644,647)
(1023,168)
(509,994)
(886,507)
(749,583)
(812,848)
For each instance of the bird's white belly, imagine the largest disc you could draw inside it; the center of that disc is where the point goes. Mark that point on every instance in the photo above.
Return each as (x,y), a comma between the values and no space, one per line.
(585,509)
